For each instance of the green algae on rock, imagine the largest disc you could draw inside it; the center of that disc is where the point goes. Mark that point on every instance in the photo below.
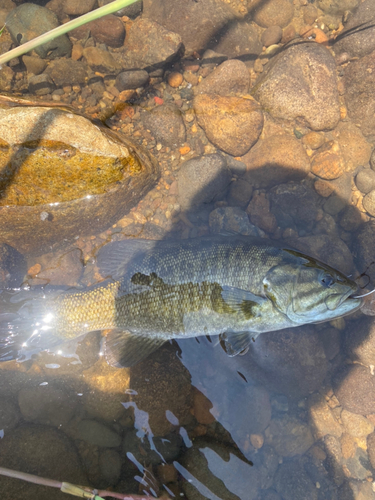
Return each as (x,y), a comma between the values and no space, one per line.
(63,176)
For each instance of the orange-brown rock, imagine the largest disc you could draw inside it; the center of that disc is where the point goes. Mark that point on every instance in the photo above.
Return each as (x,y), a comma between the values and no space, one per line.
(233,124)
(327,165)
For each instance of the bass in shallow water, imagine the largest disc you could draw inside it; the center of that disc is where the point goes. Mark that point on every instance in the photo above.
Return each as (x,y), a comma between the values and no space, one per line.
(236,287)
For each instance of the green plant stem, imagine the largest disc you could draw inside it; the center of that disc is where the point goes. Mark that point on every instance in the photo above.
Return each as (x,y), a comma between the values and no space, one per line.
(61,30)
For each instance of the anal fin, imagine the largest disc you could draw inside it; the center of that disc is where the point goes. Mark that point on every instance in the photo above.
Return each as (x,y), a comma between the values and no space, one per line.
(124,349)
(235,343)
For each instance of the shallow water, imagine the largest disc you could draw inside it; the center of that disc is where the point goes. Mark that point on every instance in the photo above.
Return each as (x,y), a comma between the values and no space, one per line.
(293,418)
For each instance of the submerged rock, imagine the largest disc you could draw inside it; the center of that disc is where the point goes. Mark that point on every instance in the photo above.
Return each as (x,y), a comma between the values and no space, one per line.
(358,37)
(359,79)
(354,386)
(72,177)
(28,20)
(233,124)
(277,159)
(300,83)
(202,179)
(231,77)
(43,451)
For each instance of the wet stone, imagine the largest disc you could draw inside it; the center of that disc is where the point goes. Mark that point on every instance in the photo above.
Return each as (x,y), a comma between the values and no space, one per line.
(233,124)
(334,459)
(231,220)
(321,418)
(358,37)
(74,8)
(369,203)
(240,193)
(166,124)
(310,13)
(337,6)
(334,205)
(365,180)
(231,77)
(313,140)
(294,205)
(277,159)
(197,24)
(46,405)
(291,476)
(354,148)
(365,249)
(34,65)
(289,436)
(327,165)
(271,35)
(202,179)
(356,425)
(371,448)
(131,79)
(310,95)
(290,362)
(109,30)
(359,466)
(161,383)
(6,78)
(67,72)
(359,78)
(148,45)
(94,433)
(43,451)
(350,218)
(110,466)
(28,20)
(259,213)
(101,60)
(274,13)
(359,344)
(41,84)
(239,40)
(354,387)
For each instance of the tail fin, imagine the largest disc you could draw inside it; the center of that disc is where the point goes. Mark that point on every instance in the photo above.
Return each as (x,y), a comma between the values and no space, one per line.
(27,323)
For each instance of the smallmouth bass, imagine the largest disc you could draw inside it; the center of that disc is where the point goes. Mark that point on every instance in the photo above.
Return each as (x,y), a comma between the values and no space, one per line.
(233,286)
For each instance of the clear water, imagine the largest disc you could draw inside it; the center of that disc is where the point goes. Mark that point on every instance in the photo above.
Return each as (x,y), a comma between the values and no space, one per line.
(287,420)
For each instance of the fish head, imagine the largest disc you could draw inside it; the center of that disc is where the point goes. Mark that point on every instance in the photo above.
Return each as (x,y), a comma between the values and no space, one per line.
(308,291)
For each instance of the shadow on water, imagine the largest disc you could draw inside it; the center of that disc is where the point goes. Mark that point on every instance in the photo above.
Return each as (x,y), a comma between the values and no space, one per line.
(236,398)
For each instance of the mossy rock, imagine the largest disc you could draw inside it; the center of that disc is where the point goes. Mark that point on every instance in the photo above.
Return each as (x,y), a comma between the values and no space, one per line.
(62,176)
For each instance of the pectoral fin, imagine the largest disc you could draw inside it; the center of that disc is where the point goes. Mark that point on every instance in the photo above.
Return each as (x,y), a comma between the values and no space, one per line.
(235,343)
(242,301)
(124,349)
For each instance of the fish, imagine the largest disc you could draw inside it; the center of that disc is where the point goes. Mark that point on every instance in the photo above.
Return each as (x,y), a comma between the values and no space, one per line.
(233,286)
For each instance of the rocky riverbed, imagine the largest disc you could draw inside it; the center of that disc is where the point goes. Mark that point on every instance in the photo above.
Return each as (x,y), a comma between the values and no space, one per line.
(261,117)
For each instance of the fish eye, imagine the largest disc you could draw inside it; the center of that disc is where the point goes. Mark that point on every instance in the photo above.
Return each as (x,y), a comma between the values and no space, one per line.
(327,280)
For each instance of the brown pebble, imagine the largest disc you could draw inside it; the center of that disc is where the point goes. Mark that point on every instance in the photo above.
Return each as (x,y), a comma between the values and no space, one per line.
(175,79)
(288,34)
(323,188)
(327,165)
(167,473)
(313,140)
(34,270)
(314,33)
(257,440)
(77,51)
